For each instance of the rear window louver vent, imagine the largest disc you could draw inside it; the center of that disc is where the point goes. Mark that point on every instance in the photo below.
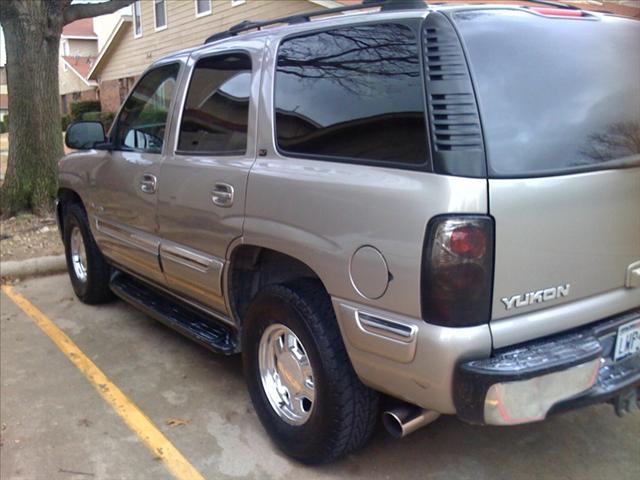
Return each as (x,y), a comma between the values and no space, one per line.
(456,134)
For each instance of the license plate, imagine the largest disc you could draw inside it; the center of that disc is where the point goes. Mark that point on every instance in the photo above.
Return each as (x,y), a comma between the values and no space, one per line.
(628,340)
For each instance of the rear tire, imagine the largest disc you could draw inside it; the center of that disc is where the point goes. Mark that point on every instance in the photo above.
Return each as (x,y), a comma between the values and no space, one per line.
(88,270)
(341,413)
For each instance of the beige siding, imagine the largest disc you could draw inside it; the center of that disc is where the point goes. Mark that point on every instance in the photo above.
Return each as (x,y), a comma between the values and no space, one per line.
(130,56)
(83,48)
(69,81)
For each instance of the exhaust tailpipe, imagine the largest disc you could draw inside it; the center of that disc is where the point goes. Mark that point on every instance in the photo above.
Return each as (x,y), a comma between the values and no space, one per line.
(405,418)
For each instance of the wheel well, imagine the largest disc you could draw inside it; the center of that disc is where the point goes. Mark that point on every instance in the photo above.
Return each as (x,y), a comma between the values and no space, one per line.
(66,197)
(252,268)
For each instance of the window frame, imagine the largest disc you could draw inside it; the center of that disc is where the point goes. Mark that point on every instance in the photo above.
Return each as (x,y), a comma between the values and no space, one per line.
(172,105)
(155,17)
(237,3)
(183,103)
(136,6)
(415,25)
(204,13)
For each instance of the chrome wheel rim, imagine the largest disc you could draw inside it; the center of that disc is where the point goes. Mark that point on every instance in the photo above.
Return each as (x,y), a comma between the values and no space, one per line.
(78,255)
(286,374)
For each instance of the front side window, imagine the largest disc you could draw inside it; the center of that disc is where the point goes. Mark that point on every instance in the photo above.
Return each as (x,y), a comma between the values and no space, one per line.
(142,122)
(137,19)
(353,94)
(216,112)
(160,14)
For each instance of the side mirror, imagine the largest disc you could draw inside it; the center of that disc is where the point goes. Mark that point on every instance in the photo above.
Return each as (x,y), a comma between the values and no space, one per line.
(84,135)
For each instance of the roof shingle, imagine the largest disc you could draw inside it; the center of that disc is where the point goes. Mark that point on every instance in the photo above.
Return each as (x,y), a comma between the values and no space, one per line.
(79,28)
(82,65)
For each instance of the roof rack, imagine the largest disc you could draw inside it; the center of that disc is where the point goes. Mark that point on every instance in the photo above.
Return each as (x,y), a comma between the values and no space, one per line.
(247,25)
(549,3)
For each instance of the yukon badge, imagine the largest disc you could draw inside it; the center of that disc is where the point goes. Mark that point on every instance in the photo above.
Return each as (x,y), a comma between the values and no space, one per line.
(538,296)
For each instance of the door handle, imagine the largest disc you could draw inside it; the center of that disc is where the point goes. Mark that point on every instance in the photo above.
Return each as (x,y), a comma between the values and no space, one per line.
(148,183)
(222,195)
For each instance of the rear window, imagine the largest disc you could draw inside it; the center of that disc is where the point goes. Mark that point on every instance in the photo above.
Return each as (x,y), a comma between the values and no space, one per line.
(352,94)
(555,95)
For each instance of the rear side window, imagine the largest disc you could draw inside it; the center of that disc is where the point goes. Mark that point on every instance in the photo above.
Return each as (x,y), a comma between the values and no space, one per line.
(555,96)
(216,112)
(353,94)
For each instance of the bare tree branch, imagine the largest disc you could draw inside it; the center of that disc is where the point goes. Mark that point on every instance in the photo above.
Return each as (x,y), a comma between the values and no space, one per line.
(84,10)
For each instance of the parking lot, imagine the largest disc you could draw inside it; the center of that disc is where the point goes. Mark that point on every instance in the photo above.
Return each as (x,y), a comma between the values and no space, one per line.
(55,425)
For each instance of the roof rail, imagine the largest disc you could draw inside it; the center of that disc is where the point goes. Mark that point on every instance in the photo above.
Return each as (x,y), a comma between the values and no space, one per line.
(549,3)
(247,25)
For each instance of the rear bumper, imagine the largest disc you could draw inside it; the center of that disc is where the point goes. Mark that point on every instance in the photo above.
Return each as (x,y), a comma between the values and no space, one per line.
(528,382)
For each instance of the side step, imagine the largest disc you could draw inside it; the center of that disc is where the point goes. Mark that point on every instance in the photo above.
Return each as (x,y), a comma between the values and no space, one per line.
(190,322)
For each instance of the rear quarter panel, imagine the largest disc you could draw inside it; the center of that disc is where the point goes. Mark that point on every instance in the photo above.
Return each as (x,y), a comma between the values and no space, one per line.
(321,212)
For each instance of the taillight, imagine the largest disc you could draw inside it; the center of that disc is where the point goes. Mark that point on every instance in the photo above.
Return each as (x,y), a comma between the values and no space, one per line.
(457,270)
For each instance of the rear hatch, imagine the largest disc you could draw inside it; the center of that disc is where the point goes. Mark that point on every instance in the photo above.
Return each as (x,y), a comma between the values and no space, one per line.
(559,100)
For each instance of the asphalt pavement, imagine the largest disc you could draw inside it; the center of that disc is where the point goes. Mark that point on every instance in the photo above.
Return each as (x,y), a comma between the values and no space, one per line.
(56,425)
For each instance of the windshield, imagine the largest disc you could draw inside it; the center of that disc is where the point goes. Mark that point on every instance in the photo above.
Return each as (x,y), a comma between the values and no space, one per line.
(555,95)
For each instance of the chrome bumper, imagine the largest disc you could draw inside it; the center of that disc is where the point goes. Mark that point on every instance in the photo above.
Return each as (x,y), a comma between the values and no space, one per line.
(528,382)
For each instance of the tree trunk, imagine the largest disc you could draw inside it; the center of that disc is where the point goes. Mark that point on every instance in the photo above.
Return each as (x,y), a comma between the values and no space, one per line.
(35,138)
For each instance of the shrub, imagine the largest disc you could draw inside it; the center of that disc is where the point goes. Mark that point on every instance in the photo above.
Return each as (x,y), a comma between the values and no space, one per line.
(91,116)
(152,116)
(78,109)
(106,118)
(66,120)
(4,124)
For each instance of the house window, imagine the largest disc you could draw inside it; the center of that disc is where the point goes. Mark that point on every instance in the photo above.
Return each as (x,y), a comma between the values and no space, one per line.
(160,14)
(65,48)
(235,3)
(203,7)
(137,19)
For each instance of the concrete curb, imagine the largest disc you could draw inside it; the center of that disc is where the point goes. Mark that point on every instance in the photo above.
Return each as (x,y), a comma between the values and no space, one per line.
(33,266)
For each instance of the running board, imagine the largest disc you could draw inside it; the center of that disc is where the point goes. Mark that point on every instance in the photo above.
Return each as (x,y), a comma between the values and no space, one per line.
(192,323)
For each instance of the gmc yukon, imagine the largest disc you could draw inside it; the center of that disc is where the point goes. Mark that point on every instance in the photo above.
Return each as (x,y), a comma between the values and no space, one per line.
(438,204)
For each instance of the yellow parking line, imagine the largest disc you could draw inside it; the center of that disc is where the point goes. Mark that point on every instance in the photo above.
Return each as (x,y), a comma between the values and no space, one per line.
(137,421)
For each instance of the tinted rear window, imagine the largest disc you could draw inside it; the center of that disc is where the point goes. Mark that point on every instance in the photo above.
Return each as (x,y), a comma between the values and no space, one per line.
(555,95)
(352,94)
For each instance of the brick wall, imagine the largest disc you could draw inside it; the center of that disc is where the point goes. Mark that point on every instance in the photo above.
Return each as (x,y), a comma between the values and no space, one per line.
(110,95)
(89,95)
(114,92)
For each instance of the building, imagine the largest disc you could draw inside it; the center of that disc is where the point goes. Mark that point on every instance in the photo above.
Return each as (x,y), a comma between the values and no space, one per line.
(78,52)
(158,27)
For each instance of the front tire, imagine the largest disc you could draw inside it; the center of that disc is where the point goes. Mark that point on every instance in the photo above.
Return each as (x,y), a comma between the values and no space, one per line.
(88,271)
(301,382)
